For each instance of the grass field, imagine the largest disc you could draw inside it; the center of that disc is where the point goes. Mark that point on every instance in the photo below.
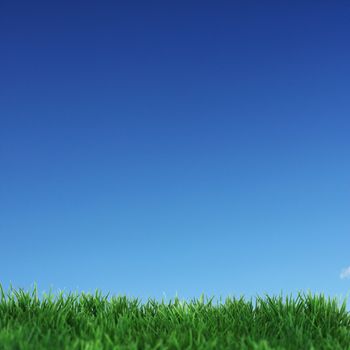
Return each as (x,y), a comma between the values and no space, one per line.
(92,321)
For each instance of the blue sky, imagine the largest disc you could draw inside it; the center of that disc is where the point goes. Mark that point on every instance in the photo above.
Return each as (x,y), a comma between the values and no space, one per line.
(155,148)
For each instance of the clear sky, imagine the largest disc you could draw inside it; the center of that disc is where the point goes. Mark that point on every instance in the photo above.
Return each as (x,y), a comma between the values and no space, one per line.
(150,148)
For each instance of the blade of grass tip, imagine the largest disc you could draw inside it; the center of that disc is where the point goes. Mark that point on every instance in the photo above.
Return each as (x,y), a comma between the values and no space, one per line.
(347,295)
(272,303)
(299,302)
(210,301)
(3,296)
(35,292)
(106,296)
(16,293)
(344,304)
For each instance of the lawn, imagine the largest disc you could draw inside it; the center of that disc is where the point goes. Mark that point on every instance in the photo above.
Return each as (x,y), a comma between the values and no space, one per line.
(93,321)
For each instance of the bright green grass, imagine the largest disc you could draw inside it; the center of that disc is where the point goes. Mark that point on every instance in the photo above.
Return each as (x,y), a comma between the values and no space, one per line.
(86,321)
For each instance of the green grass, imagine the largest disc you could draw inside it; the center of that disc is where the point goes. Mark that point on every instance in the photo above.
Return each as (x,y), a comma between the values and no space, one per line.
(92,321)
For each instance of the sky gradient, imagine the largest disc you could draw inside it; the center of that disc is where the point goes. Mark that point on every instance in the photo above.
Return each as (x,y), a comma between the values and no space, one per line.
(154,148)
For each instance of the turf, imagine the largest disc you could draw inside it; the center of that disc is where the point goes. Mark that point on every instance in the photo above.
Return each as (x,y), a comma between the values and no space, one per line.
(92,321)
